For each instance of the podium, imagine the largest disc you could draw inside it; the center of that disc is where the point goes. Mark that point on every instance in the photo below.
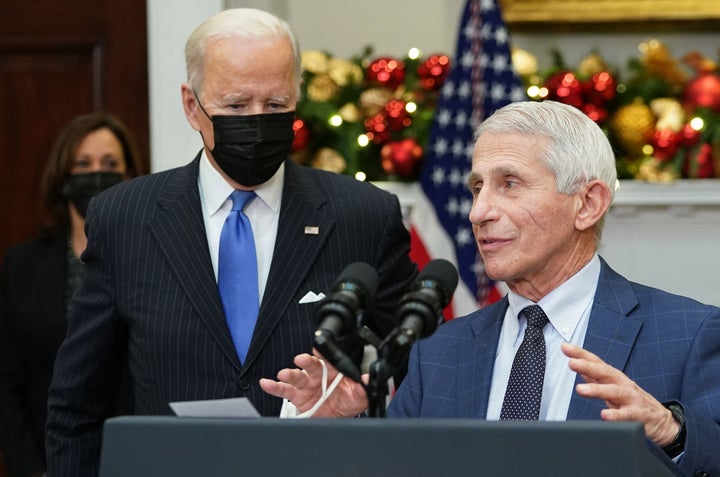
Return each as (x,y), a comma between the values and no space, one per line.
(173,446)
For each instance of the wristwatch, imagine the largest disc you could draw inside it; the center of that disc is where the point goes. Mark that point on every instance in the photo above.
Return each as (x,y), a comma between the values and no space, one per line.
(677,446)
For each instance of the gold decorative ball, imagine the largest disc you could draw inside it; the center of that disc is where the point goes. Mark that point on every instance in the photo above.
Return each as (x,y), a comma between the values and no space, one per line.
(632,124)
(344,72)
(314,61)
(322,88)
(329,159)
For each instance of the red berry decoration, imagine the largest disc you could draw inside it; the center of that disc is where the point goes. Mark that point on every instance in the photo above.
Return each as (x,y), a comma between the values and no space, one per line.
(665,143)
(377,128)
(386,71)
(302,135)
(601,88)
(402,157)
(704,162)
(688,136)
(564,87)
(433,71)
(396,115)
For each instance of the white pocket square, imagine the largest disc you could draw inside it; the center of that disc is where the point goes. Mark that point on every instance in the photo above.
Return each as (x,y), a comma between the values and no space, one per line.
(311,297)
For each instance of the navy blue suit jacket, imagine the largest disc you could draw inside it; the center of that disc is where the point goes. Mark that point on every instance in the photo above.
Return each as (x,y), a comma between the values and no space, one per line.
(669,345)
(151,298)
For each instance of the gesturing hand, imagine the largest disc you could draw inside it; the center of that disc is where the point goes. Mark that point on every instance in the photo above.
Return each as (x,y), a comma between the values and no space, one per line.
(625,400)
(303,388)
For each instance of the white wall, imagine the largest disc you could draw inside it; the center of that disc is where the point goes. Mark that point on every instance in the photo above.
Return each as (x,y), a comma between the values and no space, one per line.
(172,141)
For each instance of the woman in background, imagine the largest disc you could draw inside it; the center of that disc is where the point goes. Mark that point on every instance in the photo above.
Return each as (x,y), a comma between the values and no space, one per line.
(93,152)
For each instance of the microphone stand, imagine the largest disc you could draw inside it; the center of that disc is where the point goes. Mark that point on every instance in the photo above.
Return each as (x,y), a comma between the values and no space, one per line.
(392,352)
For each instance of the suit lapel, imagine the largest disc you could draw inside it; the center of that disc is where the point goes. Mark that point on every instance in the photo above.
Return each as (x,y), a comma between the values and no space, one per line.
(179,230)
(611,333)
(295,250)
(479,361)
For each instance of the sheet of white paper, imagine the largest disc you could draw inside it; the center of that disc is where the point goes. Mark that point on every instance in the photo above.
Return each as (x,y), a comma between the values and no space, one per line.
(233,407)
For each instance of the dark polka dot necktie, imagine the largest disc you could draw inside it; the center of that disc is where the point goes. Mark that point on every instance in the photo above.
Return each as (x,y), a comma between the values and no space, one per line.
(524,389)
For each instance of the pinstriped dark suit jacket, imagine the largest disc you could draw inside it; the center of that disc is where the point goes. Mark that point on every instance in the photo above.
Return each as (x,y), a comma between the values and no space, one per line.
(151,297)
(669,345)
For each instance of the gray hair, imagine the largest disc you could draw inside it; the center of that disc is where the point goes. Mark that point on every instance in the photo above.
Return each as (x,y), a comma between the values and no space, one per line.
(577,152)
(245,23)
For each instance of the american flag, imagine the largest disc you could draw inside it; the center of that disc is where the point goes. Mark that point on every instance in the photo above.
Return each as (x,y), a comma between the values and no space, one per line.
(481,80)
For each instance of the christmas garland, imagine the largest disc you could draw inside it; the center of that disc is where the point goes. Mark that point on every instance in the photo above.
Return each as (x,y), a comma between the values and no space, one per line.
(370,116)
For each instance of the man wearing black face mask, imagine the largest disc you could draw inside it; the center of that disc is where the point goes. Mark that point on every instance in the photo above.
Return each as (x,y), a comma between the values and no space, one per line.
(155,258)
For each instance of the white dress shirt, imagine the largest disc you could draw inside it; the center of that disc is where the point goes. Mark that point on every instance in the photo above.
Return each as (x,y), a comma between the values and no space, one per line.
(568,309)
(263,213)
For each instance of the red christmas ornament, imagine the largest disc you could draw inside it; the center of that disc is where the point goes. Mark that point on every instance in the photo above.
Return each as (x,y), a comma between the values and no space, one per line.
(402,157)
(595,112)
(302,135)
(688,136)
(386,71)
(703,91)
(433,71)
(600,88)
(704,162)
(396,115)
(564,87)
(377,128)
(665,143)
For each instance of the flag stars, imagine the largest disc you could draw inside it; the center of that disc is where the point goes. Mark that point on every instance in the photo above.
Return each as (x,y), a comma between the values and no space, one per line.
(463,236)
(501,35)
(487,5)
(438,176)
(461,119)
(500,63)
(465,207)
(444,117)
(452,206)
(465,90)
(467,60)
(458,148)
(456,177)
(440,148)
(448,89)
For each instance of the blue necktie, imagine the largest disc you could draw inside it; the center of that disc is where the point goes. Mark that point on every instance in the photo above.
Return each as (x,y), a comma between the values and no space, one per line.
(524,389)
(237,274)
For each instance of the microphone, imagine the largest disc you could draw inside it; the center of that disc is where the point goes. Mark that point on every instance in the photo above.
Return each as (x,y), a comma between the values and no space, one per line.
(337,314)
(420,310)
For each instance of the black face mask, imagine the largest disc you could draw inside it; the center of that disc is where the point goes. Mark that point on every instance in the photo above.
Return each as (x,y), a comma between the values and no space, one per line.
(250,149)
(80,188)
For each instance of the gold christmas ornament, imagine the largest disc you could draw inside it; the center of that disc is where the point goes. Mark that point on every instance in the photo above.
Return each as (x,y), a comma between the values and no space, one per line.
(344,72)
(632,124)
(669,113)
(524,62)
(350,113)
(659,62)
(591,64)
(322,88)
(653,170)
(329,159)
(314,61)
(373,100)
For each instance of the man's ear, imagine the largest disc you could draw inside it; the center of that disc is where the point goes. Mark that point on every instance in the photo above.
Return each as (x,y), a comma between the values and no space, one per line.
(190,106)
(593,202)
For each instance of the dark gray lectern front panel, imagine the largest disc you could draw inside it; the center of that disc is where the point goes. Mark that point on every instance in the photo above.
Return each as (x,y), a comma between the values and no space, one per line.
(268,447)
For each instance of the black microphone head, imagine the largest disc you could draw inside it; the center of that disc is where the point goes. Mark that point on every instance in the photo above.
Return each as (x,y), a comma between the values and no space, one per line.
(443,274)
(359,278)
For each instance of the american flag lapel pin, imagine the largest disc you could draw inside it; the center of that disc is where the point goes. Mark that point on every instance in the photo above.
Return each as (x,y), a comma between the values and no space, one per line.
(312,230)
